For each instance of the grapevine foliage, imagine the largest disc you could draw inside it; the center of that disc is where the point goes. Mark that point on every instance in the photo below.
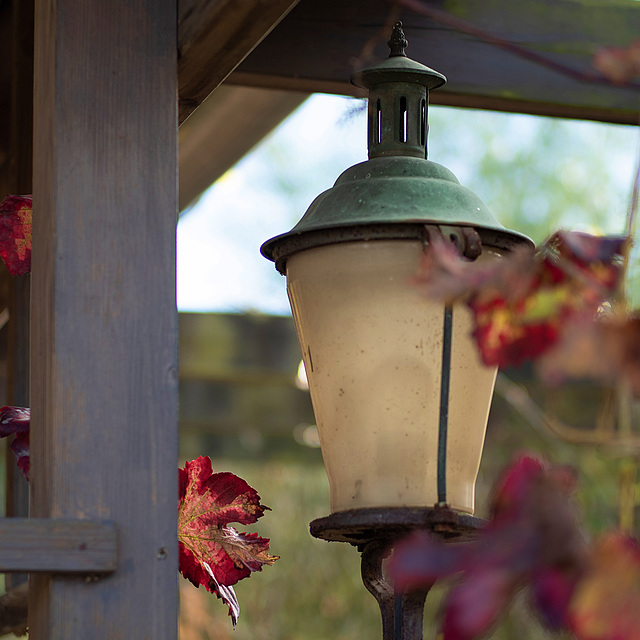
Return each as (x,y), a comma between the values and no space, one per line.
(533,542)
(211,553)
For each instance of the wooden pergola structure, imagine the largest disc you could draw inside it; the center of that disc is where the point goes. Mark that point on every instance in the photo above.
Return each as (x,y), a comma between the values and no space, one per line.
(93,93)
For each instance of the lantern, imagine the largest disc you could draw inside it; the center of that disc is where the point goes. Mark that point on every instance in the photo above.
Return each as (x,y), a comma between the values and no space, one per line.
(400,395)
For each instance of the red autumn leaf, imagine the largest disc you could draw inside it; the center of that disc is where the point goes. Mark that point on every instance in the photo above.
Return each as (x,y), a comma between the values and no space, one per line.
(575,274)
(491,569)
(618,64)
(20,448)
(522,302)
(532,540)
(476,603)
(606,603)
(16,420)
(552,590)
(422,559)
(15,234)
(212,553)
(514,485)
(445,274)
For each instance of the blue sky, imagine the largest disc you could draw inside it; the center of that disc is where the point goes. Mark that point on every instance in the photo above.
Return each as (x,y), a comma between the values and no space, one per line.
(219,263)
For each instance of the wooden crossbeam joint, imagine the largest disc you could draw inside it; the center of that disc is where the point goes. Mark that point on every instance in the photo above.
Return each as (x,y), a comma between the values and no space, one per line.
(42,545)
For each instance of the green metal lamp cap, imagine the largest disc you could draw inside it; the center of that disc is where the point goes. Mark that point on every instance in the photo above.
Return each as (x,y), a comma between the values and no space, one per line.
(395,193)
(390,198)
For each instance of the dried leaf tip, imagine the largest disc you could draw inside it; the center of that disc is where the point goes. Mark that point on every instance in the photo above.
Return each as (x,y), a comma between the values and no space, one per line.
(211,553)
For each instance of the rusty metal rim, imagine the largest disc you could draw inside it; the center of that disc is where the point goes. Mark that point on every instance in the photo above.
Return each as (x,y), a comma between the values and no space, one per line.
(360,526)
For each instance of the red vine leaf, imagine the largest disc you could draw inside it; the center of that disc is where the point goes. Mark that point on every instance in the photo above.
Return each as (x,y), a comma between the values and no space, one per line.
(522,303)
(475,604)
(16,420)
(445,274)
(532,540)
(15,234)
(212,553)
(514,484)
(573,275)
(552,589)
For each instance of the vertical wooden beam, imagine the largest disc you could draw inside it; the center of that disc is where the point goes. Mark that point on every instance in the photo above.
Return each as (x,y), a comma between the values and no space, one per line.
(104,321)
(20,182)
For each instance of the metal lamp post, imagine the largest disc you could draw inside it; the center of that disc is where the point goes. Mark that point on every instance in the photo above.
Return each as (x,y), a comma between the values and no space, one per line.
(400,396)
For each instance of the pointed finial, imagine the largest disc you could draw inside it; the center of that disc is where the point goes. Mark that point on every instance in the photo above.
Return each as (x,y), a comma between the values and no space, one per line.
(398,42)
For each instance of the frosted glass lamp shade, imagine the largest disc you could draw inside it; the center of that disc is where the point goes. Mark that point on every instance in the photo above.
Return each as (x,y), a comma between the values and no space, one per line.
(372,347)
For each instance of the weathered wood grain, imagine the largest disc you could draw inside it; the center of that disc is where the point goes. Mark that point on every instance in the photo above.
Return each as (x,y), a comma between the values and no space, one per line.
(104,321)
(61,546)
(214,36)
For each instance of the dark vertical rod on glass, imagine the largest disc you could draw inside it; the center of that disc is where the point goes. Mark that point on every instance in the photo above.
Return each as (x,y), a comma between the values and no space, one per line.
(444,404)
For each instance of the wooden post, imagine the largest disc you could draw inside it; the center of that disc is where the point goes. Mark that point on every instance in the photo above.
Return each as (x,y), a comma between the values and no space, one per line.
(103,316)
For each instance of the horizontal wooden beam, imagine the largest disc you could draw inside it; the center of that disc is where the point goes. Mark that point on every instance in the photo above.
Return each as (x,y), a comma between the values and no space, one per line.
(40,545)
(226,126)
(550,109)
(214,37)
(533,56)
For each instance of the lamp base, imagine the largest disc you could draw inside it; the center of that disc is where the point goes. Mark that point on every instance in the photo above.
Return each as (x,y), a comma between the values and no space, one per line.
(374,532)
(360,526)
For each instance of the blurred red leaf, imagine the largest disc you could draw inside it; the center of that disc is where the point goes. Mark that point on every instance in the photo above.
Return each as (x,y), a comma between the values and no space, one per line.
(15,234)
(574,275)
(422,559)
(16,420)
(212,553)
(20,448)
(445,274)
(618,64)
(606,603)
(533,539)
(476,603)
(522,302)
(552,589)
(514,484)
